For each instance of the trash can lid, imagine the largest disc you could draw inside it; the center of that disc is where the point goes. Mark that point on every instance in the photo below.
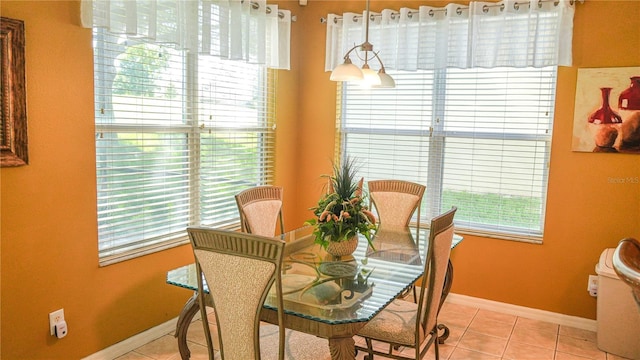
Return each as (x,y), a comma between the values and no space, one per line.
(605,265)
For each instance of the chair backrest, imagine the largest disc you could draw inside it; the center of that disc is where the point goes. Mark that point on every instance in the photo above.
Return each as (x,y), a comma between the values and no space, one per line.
(626,263)
(396,201)
(239,269)
(440,239)
(260,209)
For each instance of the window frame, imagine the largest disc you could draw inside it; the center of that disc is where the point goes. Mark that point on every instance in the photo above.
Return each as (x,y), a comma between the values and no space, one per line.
(437,135)
(193,131)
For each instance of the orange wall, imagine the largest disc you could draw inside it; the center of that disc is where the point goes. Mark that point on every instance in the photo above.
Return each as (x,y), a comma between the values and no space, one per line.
(48,234)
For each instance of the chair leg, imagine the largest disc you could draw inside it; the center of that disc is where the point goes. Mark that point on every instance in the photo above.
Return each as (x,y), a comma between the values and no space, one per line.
(207,329)
(369,356)
(207,334)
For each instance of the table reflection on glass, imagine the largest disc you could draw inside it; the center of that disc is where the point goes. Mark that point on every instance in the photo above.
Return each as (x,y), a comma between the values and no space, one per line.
(332,297)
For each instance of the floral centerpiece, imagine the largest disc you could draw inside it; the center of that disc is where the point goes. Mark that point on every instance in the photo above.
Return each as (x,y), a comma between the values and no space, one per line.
(341,214)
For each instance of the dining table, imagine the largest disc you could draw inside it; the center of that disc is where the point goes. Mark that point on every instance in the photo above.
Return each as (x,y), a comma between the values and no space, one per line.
(332,297)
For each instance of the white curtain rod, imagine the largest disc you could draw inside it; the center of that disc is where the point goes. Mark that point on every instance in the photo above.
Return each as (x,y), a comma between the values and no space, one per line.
(485,9)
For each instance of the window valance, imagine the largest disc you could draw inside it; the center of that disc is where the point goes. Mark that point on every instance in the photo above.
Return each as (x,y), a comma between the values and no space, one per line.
(251,30)
(523,33)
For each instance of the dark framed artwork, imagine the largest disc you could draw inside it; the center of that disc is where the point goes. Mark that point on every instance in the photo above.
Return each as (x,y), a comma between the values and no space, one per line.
(13,132)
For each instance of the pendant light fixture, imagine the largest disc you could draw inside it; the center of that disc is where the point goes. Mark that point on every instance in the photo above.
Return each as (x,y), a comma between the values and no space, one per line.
(347,71)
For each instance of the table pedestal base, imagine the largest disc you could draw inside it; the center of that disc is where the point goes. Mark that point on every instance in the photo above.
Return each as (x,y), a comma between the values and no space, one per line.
(342,348)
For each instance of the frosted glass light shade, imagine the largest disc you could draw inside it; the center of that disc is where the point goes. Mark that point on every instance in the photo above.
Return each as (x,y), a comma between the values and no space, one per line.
(346,72)
(386,81)
(371,78)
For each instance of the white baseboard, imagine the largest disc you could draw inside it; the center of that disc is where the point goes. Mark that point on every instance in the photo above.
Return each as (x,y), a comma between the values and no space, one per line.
(134,342)
(530,313)
(156,332)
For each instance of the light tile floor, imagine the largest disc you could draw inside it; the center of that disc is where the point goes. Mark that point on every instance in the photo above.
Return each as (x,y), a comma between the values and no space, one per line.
(476,334)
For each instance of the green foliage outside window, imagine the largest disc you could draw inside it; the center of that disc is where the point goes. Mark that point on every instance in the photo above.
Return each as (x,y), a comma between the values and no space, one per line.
(140,68)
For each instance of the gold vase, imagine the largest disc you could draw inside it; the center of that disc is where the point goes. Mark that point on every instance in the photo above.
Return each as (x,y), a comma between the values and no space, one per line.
(343,248)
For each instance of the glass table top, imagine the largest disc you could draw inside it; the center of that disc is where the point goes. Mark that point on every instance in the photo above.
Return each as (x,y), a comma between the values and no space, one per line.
(354,288)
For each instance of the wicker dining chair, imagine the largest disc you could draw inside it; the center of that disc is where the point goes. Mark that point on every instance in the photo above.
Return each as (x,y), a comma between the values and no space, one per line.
(626,263)
(396,201)
(260,210)
(245,266)
(408,324)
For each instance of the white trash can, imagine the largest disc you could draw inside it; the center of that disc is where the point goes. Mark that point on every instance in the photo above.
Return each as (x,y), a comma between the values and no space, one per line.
(618,314)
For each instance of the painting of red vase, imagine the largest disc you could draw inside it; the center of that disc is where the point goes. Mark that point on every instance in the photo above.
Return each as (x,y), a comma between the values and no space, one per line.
(607,110)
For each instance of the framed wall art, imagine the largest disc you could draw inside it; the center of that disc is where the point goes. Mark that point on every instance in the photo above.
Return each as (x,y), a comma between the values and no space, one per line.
(13,107)
(607,110)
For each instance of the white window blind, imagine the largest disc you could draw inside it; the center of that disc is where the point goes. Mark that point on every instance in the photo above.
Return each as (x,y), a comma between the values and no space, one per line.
(478,139)
(178,135)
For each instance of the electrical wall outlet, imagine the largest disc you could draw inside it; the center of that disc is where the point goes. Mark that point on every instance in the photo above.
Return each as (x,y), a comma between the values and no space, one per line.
(592,287)
(54,318)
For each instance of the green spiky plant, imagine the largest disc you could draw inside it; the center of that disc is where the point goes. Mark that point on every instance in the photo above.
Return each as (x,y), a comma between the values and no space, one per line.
(342,212)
